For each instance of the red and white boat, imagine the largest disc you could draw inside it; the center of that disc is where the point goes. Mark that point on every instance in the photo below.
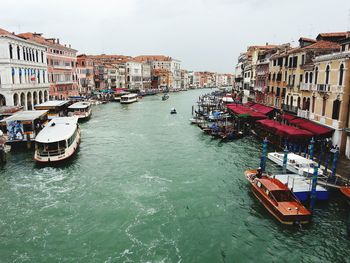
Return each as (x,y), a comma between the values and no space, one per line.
(278,199)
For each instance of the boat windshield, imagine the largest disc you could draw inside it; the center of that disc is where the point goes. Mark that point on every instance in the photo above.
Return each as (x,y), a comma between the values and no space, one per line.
(283,196)
(53,148)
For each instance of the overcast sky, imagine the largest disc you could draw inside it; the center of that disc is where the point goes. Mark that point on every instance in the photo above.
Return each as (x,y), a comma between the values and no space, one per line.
(203,34)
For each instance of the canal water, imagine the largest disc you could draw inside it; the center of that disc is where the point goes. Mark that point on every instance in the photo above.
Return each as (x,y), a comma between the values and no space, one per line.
(146,186)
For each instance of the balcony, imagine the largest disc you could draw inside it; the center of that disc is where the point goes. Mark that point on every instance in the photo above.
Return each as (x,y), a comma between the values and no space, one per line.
(323,88)
(292,109)
(305,86)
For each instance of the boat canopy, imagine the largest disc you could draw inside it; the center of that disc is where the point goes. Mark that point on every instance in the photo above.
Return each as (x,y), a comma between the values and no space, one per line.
(79,105)
(285,130)
(317,129)
(51,104)
(58,129)
(29,115)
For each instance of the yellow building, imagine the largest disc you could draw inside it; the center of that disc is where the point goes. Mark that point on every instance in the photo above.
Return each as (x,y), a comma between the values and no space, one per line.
(330,94)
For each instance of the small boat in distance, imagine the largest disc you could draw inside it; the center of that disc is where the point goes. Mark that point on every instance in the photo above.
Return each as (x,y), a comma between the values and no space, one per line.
(165,96)
(173,111)
(81,110)
(58,141)
(129,98)
(278,199)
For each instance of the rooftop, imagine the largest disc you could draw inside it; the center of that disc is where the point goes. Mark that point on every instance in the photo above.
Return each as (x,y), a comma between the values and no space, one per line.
(52,103)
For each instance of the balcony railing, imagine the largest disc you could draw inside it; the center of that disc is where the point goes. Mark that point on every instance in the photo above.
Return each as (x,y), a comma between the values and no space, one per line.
(323,87)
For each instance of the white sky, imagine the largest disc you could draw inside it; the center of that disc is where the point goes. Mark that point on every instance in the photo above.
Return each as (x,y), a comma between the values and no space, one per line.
(203,34)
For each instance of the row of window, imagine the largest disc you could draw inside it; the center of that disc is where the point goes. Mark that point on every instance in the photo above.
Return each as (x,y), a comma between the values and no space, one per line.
(26,54)
(28,75)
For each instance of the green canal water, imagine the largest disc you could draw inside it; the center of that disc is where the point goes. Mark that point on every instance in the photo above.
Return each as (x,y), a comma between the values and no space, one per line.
(146,186)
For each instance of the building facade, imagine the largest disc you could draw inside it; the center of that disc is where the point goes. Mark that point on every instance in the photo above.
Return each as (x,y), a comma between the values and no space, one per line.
(85,72)
(23,71)
(62,66)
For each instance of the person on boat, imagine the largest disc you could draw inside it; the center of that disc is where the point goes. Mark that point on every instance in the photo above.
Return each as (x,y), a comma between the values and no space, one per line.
(259,172)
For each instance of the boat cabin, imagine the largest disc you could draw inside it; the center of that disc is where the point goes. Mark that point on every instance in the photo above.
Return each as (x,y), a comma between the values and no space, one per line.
(55,108)
(129,98)
(58,141)
(82,110)
(24,125)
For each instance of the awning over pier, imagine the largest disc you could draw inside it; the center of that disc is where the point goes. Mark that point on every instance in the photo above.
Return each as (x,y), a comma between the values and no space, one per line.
(239,109)
(285,130)
(316,129)
(262,108)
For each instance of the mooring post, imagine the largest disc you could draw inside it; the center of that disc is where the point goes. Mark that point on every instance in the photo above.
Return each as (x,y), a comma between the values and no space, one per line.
(335,161)
(263,155)
(311,149)
(313,189)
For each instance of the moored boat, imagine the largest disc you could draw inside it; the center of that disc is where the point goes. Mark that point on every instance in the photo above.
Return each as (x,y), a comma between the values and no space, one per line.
(129,98)
(58,141)
(345,190)
(278,199)
(81,110)
(165,96)
(173,111)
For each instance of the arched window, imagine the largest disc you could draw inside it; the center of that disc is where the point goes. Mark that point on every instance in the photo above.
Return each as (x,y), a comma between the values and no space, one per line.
(10,49)
(24,53)
(298,102)
(306,77)
(308,104)
(313,104)
(341,74)
(327,75)
(336,109)
(291,101)
(304,103)
(18,53)
(37,56)
(311,75)
(316,75)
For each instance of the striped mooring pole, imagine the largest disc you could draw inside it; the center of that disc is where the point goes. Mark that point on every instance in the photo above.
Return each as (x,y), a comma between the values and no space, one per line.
(335,161)
(313,188)
(263,155)
(311,149)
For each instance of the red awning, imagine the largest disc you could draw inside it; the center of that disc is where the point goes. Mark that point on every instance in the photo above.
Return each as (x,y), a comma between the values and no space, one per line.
(317,129)
(248,104)
(239,109)
(262,108)
(285,130)
(288,117)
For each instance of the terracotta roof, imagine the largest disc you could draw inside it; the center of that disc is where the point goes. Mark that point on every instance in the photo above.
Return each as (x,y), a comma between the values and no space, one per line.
(4,32)
(322,44)
(144,58)
(307,39)
(38,38)
(333,34)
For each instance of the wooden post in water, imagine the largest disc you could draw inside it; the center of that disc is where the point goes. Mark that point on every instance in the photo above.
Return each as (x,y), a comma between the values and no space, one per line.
(311,149)
(335,161)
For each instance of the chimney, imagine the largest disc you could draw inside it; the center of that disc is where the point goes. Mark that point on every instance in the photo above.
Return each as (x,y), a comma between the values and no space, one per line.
(58,40)
(267,43)
(69,46)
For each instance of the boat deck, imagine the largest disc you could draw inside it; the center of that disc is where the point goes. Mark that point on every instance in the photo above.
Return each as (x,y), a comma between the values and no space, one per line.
(301,186)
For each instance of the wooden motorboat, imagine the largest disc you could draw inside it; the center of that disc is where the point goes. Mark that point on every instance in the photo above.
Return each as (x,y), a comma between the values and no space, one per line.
(278,199)
(345,190)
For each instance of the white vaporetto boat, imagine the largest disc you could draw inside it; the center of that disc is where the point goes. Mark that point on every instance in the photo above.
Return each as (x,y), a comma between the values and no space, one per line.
(81,110)
(58,141)
(129,98)
(295,163)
